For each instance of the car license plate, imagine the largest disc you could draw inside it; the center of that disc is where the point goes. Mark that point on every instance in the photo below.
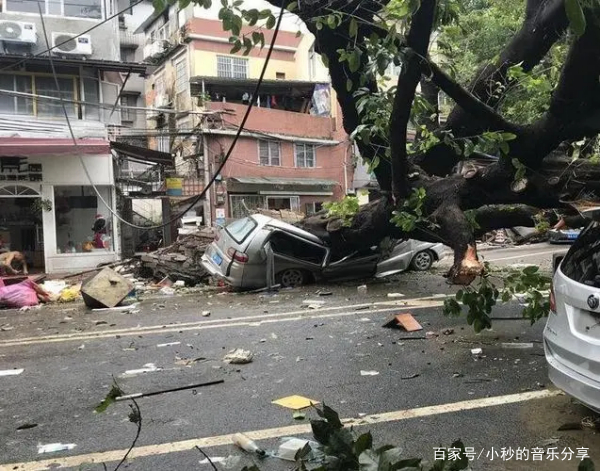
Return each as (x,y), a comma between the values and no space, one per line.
(572,235)
(217,259)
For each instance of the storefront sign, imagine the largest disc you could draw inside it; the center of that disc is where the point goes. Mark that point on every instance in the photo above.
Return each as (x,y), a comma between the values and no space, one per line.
(174,186)
(17,169)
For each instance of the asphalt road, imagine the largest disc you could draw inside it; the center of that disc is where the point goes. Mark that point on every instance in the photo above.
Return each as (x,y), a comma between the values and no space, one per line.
(418,393)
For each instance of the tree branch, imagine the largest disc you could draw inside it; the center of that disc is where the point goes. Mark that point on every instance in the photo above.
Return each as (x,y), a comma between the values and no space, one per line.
(483,113)
(418,44)
(544,23)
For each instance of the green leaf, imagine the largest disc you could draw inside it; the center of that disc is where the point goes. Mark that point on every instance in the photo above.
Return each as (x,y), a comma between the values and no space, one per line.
(293,6)
(363,443)
(110,398)
(389,458)
(353,28)
(252,17)
(354,60)
(159,5)
(299,415)
(271,22)
(236,47)
(349,85)
(531,270)
(575,16)
(264,14)
(331,416)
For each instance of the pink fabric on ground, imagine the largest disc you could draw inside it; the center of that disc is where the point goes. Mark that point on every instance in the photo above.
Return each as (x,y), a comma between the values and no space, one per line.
(18,295)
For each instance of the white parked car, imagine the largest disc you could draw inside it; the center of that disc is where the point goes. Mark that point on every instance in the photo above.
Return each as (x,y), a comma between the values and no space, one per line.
(572,333)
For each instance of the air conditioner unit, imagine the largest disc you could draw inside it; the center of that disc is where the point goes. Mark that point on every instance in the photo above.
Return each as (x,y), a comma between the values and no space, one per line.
(66,43)
(18,32)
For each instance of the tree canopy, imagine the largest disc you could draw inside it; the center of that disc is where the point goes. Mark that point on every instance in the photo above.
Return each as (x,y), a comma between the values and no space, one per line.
(523,78)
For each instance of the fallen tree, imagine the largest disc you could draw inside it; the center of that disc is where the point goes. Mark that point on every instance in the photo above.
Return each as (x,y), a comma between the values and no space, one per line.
(421,196)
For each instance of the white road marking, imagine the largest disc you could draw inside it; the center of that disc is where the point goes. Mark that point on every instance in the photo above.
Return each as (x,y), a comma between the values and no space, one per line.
(255,320)
(516,257)
(221,440)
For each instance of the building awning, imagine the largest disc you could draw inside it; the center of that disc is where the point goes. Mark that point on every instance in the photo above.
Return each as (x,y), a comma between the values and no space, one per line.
(24,147)
(143,154)
(222,85)
(281,186)
(278,137)
(6,60)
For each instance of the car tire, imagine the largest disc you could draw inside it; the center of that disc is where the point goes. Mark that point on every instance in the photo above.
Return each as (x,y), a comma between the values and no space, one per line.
(292,277)
(422,261)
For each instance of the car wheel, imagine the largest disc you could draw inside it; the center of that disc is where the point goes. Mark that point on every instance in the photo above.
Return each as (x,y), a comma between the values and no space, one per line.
(422,261)
(292,277)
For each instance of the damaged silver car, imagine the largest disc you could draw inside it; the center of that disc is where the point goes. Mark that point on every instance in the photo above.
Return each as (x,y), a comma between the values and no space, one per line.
(255,251)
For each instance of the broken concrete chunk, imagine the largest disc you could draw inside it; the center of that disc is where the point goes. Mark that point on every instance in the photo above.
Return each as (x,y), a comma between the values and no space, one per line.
(476,351)
(395,295)
(238,356)
(405,321)
(106,289)
(362,289)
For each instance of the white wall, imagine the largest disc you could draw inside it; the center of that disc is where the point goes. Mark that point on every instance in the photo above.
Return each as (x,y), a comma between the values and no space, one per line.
(61,170)
(68,170)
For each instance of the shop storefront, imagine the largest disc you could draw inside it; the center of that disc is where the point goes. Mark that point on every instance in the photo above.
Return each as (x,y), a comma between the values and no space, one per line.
(49,209)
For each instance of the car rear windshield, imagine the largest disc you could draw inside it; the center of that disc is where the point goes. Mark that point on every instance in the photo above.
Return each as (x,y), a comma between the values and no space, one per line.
(582,262)
(240,229)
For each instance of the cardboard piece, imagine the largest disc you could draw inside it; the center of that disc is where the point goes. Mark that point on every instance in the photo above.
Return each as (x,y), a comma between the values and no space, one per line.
(405,321)
(106,289)
(295,402)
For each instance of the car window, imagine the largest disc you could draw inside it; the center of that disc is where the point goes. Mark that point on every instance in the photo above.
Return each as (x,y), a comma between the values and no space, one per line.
(240,229)
(285,244)
(582,262)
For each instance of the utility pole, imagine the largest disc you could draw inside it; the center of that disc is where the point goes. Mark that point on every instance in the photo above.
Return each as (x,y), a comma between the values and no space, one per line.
(208,193)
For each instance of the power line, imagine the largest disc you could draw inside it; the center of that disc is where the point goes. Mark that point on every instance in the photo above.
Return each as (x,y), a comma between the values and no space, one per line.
(224,161)
(51,48)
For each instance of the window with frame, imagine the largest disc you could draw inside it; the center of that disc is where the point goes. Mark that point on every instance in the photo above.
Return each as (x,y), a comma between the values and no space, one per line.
(91,9)
(232,67)
(269,153)
(127,114)
(181,76)
(304,155)
(83,222)
(294,247)
(45,86)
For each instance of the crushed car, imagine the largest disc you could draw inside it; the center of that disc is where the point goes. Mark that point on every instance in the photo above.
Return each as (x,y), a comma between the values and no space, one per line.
(249,252)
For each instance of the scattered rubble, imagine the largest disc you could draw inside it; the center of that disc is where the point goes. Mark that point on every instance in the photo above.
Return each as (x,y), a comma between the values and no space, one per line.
(181,260)
(238,356)
(106,289)
(405,321)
